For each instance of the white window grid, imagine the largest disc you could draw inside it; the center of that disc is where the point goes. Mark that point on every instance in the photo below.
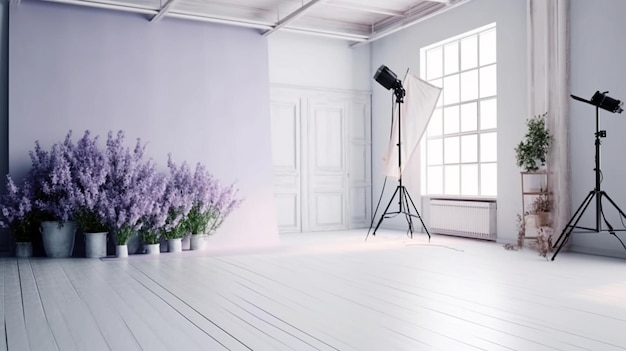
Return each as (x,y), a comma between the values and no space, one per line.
(444,136)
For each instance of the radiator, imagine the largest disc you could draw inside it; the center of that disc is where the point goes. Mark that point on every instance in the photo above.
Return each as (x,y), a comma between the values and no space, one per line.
(474,219)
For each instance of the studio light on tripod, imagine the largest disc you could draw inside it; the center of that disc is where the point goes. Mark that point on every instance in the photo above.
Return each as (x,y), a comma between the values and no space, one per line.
(606,102)
(385,77)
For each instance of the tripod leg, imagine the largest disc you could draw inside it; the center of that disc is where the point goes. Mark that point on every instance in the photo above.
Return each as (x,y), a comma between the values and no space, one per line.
(382,216)
(418,215)
(567,230)
(407,213)
(611,231)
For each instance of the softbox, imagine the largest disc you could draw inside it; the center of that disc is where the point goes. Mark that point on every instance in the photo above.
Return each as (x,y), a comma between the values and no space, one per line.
(419,104)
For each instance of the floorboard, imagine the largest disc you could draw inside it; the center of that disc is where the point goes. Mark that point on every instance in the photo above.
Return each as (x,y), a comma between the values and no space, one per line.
(322,291)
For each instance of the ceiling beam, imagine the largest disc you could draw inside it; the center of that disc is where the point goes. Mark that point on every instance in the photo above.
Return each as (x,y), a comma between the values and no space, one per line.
(410,21)
(107,6)
(221,20)
(294,16)
(365,8)
(163,11)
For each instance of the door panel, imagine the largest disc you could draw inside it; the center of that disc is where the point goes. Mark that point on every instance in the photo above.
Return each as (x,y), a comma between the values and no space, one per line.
(285,120)
(359,174)
(327,171)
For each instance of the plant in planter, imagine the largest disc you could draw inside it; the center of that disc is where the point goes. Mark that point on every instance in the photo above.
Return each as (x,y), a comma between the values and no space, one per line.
(51,183)
(16,213)
(89,168)
(177,200)
(541,207)
(211,205)
(125,189)
(531,153)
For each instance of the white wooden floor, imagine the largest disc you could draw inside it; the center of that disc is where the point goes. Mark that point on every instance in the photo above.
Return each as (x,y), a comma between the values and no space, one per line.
(329,291)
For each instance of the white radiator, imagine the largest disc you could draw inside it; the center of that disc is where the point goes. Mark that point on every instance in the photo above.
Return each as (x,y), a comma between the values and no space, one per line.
(475,219)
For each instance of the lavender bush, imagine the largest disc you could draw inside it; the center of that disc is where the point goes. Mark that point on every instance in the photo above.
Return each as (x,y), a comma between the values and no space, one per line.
(203,189)
(125,188)
(16,212)
(178,200)
(51,182)
(89,169)
(212,203)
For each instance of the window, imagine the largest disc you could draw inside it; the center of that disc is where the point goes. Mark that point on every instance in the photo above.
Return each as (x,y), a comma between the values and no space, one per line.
(459,148)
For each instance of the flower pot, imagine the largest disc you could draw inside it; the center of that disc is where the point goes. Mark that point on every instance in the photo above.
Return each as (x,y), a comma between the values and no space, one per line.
(543,219)
(186,242)
(175,245)
(58,241)
(134,243)
(152,249)
(23,249)
(121,250)
(197,242)
(96,245)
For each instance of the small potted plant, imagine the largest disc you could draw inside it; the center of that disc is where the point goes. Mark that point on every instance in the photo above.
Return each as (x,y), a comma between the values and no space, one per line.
(17,214)
(178,200)
(541,208)
(531,153)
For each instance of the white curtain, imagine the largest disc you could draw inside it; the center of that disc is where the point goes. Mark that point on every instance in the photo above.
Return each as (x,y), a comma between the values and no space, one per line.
(419,104)
(548,91)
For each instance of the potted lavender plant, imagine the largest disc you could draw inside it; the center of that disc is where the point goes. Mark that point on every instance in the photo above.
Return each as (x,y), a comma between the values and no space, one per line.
(178,200)
(154,216)
(205,188)
(89,169)
(51,182)
(16,213)
(124,191)
(212,204)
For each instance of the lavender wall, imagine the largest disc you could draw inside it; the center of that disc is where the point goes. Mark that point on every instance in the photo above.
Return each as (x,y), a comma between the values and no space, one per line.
(197,90)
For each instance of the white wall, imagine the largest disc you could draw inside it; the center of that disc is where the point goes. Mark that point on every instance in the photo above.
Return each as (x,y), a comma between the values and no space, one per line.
(401,51)
(318,62)
(598,62)
(199,91)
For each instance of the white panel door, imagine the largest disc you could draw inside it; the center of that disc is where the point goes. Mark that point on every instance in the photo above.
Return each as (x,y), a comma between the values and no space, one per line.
(286,159)
(359,156)
(327,189)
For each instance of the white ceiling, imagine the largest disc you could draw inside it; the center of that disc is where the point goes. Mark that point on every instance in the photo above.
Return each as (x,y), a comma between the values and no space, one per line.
(359,21)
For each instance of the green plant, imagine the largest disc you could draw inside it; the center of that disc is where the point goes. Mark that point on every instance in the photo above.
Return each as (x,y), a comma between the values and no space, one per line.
(534,148)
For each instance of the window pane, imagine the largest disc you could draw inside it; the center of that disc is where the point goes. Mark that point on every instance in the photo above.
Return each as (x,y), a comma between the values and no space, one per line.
(451,119)
(452,181)
(469,180)
(434,61)
(469,52)
(469,118)
(488,114)
(469,85)
(451,89)
(451,57)
(488,47)
(435,152)
(438,83)
(451,150)
(435,126)
(488,147)
(488,82)
(435,180)
(488,179)
(469,148)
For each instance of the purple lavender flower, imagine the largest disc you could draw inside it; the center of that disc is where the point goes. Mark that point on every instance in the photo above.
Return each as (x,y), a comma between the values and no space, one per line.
(16,212)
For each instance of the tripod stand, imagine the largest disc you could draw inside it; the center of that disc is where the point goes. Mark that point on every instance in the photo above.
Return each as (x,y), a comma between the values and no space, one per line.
(404,199)
(597,193)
